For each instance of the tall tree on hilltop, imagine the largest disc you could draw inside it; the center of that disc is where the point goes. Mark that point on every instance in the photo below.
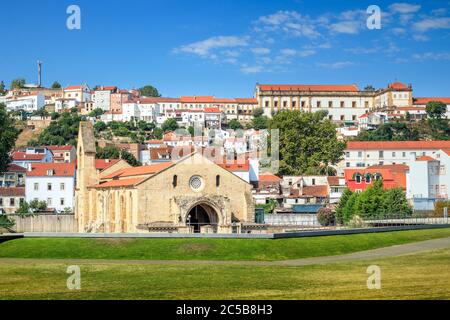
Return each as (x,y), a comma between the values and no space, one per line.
(149,91)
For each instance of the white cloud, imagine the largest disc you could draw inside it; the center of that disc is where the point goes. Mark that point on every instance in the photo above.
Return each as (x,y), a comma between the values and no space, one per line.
(203,48)
(432,23)
(252,69)
(404,7)
(335,65)
(432,56)
(398,31)
(288,52)
(349,27)
(362,50)
(420,37)
(260,51)
(290,22)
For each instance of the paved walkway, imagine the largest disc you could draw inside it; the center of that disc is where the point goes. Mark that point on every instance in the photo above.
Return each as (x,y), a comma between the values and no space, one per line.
(386,252)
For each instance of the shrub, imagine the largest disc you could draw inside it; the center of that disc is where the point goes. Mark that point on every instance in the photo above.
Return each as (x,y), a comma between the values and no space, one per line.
(326,217)
(356,222)
(6,223)
(439,208)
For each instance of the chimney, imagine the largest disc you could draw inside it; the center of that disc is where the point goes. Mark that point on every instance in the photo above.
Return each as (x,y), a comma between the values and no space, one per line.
(29,167)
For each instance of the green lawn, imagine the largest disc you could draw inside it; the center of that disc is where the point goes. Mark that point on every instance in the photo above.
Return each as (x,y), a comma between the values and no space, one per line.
(209,249)
(418,276)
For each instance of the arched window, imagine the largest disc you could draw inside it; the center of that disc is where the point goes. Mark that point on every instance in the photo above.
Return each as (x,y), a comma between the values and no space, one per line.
(174,181)
(217,181)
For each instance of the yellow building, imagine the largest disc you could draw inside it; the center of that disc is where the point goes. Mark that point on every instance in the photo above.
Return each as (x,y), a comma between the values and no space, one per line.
(190,195)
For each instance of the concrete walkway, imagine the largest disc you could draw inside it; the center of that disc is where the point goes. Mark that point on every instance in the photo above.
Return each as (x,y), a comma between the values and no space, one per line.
(386,252)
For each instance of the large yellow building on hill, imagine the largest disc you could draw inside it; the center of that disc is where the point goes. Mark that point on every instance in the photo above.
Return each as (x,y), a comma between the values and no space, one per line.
(191,195)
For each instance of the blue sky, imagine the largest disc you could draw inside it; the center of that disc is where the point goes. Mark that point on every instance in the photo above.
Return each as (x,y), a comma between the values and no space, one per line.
(223,48)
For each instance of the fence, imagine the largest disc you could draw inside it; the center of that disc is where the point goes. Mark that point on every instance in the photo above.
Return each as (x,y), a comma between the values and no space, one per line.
(308,222)
(45,223)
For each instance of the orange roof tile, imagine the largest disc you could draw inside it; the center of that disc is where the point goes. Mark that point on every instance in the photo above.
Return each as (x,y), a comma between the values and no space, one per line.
(102,164)
(398,86)
(246,100)
(138,171)
(424,101)
(307,87)
(447,151)
(120,183)
(235,166)
(18,156)
(315,191)
(397,145)
(268,177)
(425,158)
(58,170)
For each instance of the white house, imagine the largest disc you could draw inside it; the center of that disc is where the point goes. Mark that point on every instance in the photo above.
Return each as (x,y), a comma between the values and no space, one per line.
(428,180)
(81,93)
(28,103)
(53,183)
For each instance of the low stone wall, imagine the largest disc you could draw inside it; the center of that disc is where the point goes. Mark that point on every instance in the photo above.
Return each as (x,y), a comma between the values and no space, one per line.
(45,223)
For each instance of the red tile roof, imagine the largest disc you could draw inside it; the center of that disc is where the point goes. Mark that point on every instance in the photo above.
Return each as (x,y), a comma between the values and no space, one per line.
(18,156)
(424,101)
(15,168)
(447,151)
(58,169)
(398,86)
(102,164)
(268,177)
(392,178)
(397,145)
(425,158)
(247,100)
(12,192)
(138,171)
(211,110)
(120,183)
(154,141)
(306,87)
(315,191)
(73,87)
(333,181)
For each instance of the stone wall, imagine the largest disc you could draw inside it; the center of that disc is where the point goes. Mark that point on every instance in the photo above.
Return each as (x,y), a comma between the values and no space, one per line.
(45,223)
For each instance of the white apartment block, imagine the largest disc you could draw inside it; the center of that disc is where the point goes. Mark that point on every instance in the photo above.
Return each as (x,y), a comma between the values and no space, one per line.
(28,103)
(101,97)
(362,154)
(53,183)
(433,173)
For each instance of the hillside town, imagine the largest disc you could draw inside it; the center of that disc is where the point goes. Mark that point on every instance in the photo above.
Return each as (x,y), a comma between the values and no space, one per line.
(234,130)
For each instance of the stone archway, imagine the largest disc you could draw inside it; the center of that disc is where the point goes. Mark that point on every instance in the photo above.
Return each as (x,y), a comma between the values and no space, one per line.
(202,218)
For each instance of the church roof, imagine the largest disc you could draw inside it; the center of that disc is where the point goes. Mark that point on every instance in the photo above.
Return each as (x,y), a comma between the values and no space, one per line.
(138,171)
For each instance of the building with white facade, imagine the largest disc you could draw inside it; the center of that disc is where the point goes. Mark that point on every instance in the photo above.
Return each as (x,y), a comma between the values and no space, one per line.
(361,154)
(81,93)
(53,183)
(428,180)
(28,103)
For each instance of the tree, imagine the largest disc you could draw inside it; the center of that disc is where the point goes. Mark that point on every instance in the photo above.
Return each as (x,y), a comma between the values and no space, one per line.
(112,152)
(6,223)
(37,205)
(18,83)
(8,136)
(24,209)
(2,88)
(326,217)
(63,131)
(56,85)
(307,142)
(260,123)
(369,203)
(394,202)
(234,124)
(170,125)
(149,91)
(258,112)
(436,109)
(96,113)
(369,87)
(100,126)
(342,203)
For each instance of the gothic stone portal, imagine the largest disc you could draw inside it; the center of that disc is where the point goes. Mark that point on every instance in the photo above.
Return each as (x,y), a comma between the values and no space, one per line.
(202,218)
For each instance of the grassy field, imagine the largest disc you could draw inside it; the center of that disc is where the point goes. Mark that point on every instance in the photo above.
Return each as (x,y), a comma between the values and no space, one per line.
(418,276)
(209,249)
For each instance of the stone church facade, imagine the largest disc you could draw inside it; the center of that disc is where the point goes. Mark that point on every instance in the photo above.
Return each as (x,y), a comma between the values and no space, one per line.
(192,195)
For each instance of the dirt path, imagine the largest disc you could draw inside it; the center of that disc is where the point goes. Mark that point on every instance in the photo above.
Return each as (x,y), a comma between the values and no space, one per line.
(380,253)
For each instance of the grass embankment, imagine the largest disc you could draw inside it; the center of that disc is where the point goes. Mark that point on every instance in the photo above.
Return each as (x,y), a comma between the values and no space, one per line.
(208,249)
(418,276)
